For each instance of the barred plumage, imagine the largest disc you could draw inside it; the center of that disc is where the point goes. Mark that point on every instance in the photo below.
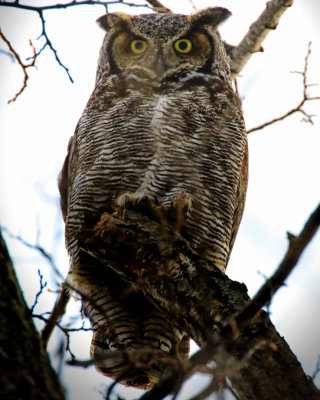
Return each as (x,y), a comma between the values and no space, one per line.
(164,123)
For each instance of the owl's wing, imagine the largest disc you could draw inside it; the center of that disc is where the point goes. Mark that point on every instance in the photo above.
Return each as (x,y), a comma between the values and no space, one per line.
(240,201)
(65,177)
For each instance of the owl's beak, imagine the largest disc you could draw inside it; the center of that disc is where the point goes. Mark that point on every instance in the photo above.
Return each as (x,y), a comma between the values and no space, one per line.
(160,65)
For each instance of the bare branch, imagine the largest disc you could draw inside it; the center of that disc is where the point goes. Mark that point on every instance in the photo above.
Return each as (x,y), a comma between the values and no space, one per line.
(251,43)
(299,107)
(23,66)
(35,247)
(157,6)
(49,44)
(66,331)
(42,286)
(317,369)
(297,244)
(154,5)
(57,312)
(16,4)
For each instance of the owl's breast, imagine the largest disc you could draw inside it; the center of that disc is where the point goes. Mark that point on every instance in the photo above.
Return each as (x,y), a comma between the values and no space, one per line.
(161,145)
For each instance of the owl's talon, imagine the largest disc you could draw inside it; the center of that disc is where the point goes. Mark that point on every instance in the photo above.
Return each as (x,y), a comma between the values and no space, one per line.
(125,201)
(182,203)
(157,200)
(179,209)
(142,200)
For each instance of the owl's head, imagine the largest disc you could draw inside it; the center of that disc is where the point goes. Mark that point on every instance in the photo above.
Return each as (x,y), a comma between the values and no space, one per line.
(156,48)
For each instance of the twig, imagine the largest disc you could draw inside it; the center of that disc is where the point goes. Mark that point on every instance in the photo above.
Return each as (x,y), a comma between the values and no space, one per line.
(317,370)
(297,244)
(23,66)
(154,5)
(56,314)
(49,44)
(36,247)
(49,322)
(57,6)
(42,286)
(305,98)
(157,6)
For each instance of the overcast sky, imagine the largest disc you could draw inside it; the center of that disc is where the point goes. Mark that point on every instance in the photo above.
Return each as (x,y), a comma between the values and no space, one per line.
(284,160)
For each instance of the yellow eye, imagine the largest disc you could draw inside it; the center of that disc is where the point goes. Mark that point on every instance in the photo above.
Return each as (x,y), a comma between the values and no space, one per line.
(183,46)
(138,46)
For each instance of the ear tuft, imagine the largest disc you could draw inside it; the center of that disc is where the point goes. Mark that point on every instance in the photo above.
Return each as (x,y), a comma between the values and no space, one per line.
(108,21)
(210,16)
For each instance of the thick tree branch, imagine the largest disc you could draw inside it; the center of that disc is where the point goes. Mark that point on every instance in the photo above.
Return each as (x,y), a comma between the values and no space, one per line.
(25,370)
(299,107)
(214,310)
(251,43)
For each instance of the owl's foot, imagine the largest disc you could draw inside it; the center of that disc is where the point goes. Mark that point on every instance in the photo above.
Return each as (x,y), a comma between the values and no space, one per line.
(134,201)
(174,212)
(178,209)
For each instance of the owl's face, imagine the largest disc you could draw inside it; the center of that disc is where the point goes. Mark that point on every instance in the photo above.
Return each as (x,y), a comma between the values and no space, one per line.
(160,47)
(156,58)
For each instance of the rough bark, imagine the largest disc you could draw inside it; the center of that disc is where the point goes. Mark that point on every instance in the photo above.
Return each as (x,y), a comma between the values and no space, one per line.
(204,302)
(25,370)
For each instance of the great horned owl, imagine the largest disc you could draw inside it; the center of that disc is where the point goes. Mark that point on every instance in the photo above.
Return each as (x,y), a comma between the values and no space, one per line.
(162,123)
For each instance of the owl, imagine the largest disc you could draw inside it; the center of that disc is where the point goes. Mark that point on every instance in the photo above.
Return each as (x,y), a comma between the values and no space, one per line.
(162,125)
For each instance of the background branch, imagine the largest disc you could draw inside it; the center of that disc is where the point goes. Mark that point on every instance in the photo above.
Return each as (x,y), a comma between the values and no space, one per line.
(299,107)
(23,66)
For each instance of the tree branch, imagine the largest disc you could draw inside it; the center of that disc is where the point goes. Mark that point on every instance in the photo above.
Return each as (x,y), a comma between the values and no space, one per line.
(154,5)
(57,6)
(49,44)
(251,43)
(297,244)
(37,248)
(299,107)
(23,66)
(215,311)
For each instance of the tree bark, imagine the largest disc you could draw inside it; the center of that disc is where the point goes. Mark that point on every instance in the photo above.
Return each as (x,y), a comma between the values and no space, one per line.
(258,31)
(25,370)
(204,302)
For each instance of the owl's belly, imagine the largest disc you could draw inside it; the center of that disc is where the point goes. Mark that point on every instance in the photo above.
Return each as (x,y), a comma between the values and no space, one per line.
(162,147)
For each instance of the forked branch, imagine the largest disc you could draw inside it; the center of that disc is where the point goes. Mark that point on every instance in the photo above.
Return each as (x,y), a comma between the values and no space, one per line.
(23,66)
(299,108)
